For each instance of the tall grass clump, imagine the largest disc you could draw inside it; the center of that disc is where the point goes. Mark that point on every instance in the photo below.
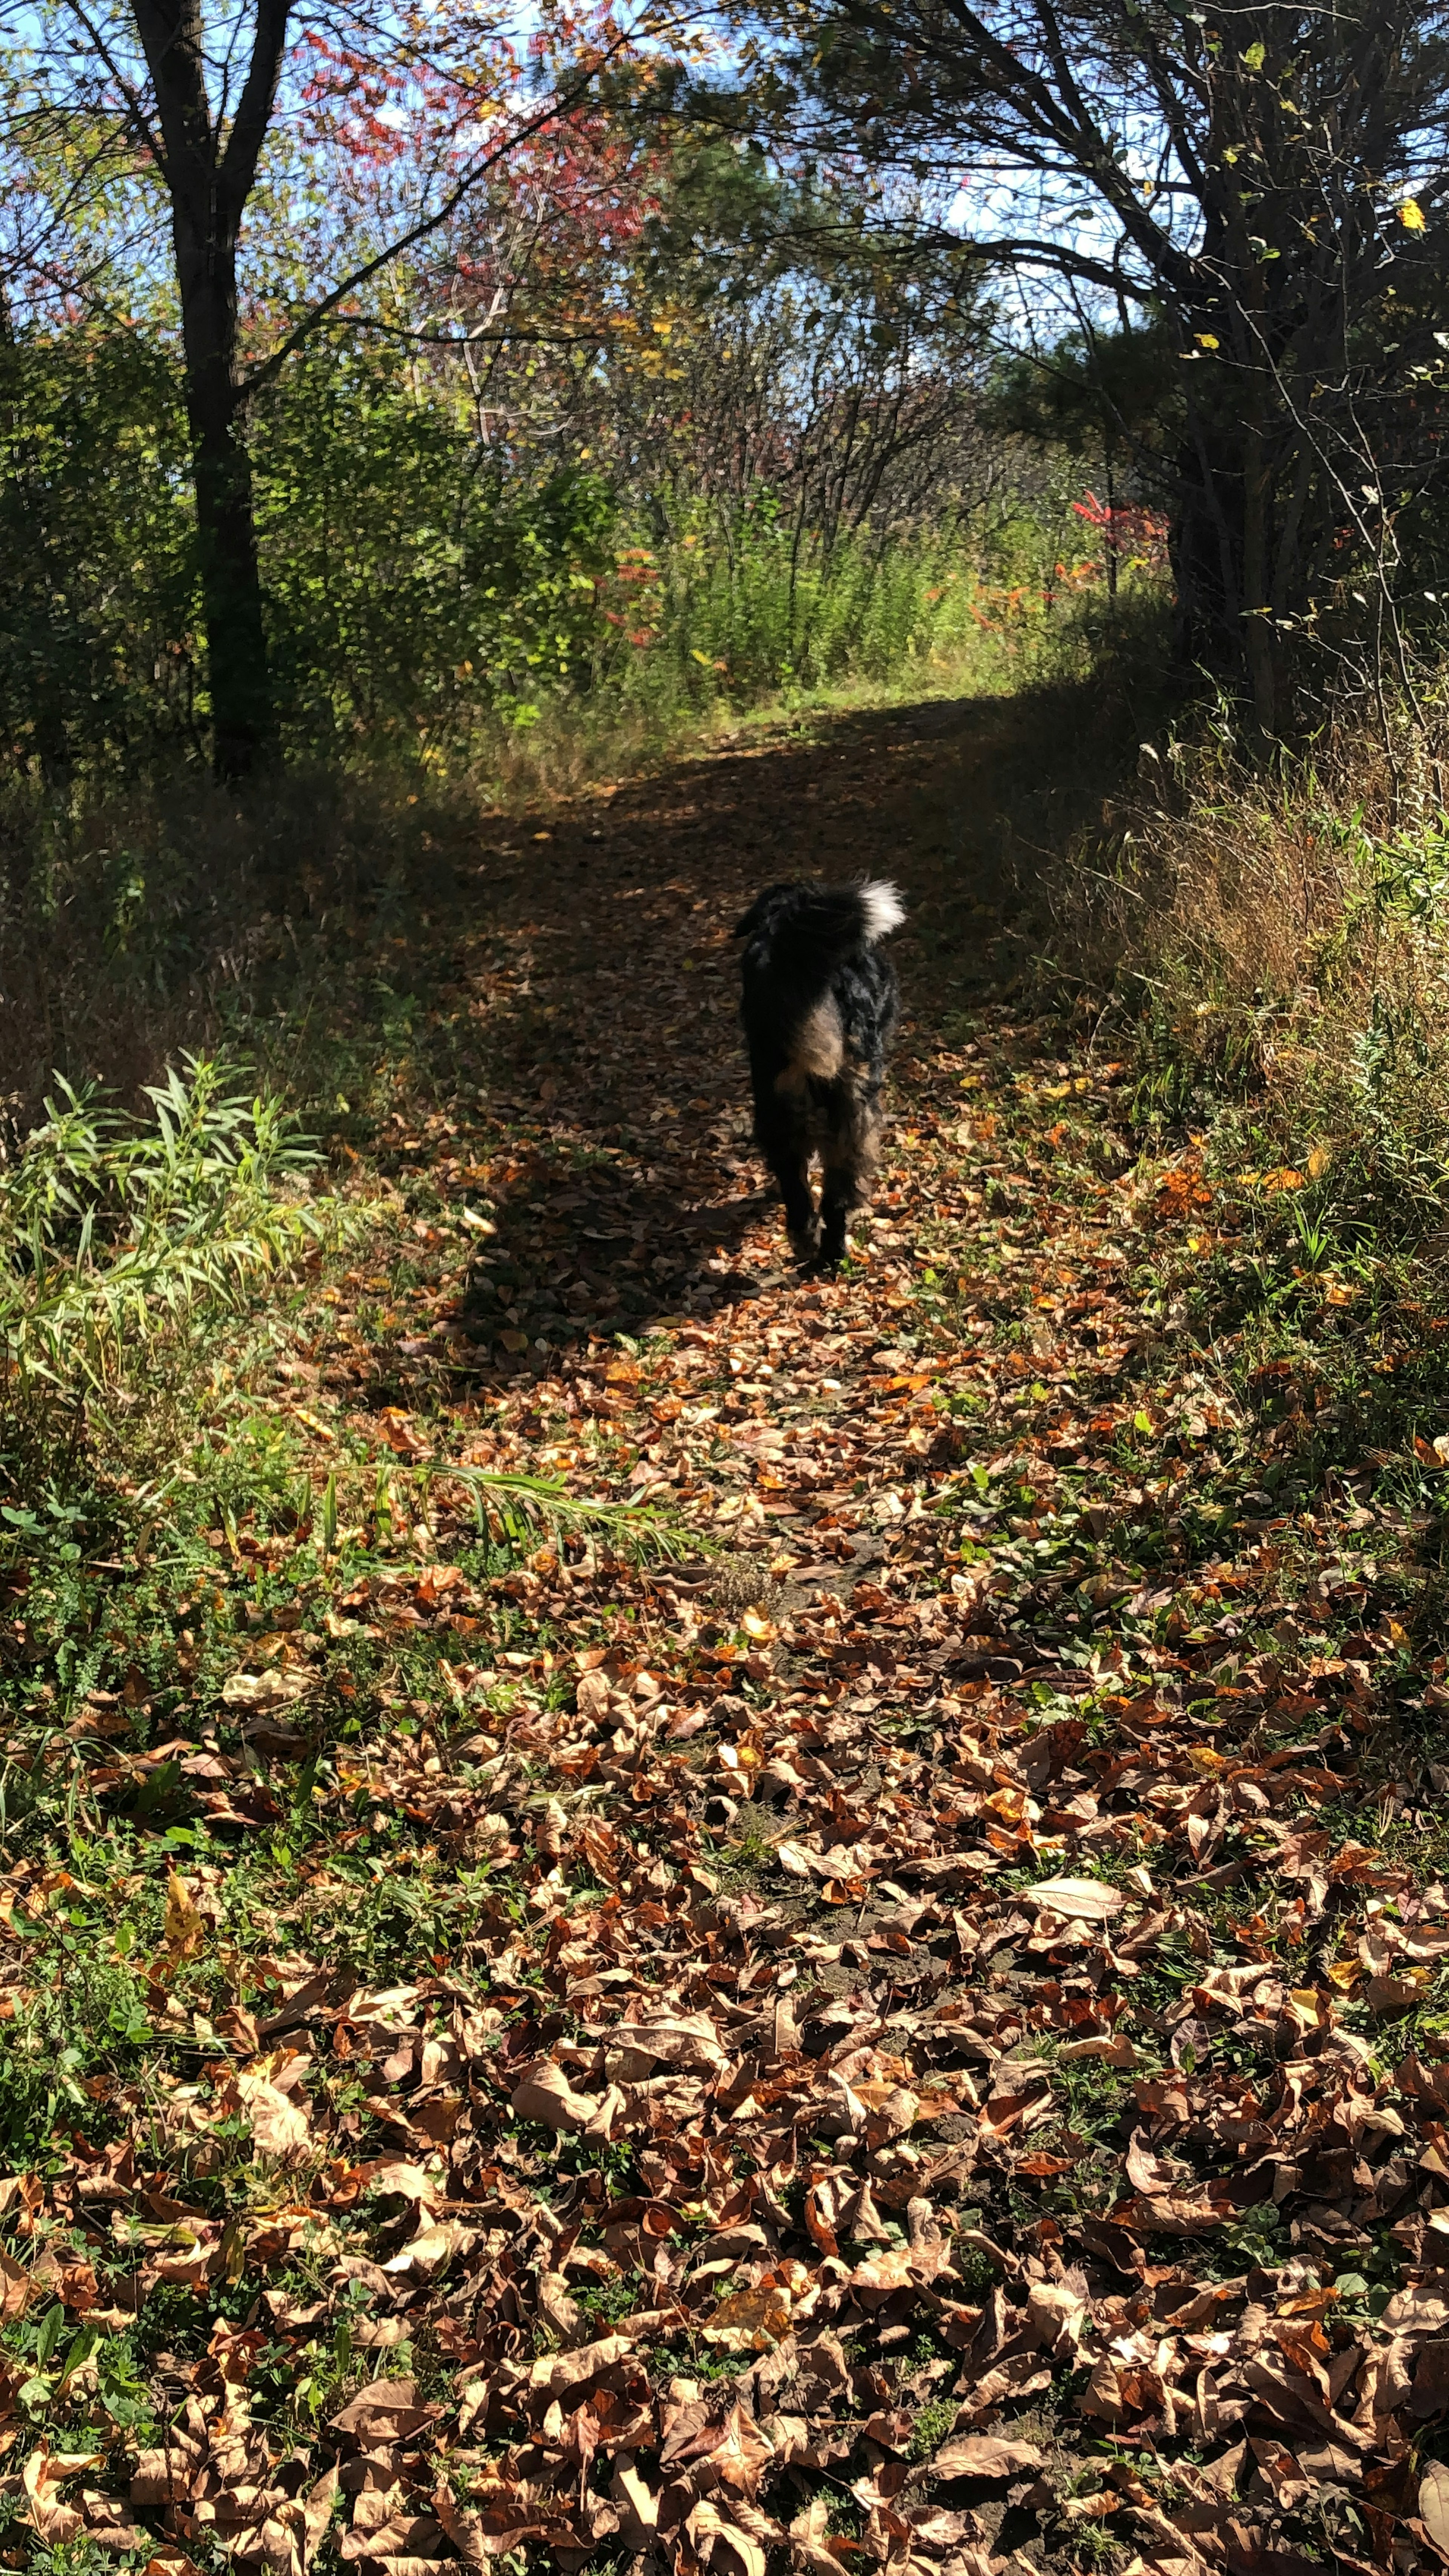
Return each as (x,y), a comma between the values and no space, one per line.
(1275,937)
(764,608)
(126,1244)
(733,611)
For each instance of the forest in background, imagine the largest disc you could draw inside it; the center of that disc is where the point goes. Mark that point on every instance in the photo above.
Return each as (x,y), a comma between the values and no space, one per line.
(652,414)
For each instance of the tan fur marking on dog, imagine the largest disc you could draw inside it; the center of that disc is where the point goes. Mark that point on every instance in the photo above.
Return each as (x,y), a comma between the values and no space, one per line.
(817,1051)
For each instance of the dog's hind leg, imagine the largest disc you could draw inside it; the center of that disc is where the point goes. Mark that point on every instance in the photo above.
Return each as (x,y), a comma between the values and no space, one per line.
(783,1140)
(851,1151)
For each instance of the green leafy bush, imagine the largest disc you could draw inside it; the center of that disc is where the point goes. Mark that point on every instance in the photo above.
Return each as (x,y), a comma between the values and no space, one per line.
(121,1243)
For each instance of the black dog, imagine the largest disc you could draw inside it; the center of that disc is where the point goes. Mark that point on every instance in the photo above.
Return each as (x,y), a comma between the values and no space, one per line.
(819,1010)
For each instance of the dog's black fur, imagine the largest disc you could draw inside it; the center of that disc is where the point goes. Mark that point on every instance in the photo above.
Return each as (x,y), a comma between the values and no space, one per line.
(819,1008)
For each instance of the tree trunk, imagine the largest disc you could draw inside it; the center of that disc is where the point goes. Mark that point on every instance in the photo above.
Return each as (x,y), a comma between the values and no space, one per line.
(209,188)
(231,587)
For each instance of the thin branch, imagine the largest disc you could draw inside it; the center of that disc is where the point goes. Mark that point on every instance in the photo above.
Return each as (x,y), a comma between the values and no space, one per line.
(422,229)
(483,337)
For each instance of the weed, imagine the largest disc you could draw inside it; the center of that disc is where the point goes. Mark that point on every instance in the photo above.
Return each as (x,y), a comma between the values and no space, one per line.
(1255,2239)
(932,2426)
(90,2014)
(975,2270)
(1094,2548)
(605,2302)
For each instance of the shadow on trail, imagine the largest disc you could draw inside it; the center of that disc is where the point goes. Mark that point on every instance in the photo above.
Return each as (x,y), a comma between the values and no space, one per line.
(592,1009)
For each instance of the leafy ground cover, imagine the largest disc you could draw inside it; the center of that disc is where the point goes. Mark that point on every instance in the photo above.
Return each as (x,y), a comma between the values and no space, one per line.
(671,1916)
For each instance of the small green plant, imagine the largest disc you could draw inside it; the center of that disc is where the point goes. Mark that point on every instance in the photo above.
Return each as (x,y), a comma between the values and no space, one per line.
(92,2011)
(932,2427)
(111,1228)
(605,2302)
(1094,2548)
(514,1511)
(975,2270)
(1257,2237)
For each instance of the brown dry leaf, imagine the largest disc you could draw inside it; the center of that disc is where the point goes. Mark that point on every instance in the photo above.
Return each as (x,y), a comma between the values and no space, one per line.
(280,2127)
(1080,1900)
(16,2288)
(638,2505)
(982,2455)
(721,2543)
(560,2371)
(810,2551)
(184,1928)
(278,1687)
(430,2252)
(43,2475)
(773,1977)
(109,2522)
(689,2041)
(1434,2504)
(1116,2051)
(793,1857)
(750,2321)
(385,2413)
(546,2095)
(1055,2314)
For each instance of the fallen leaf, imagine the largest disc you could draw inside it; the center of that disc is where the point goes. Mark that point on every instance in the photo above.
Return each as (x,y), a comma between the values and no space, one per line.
(982,2455)
(1084,1900)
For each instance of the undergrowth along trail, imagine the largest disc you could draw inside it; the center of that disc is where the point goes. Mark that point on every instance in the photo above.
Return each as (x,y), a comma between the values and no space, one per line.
(847,1958)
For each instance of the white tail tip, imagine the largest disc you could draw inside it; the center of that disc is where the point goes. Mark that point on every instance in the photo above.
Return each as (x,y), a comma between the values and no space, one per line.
(882,908)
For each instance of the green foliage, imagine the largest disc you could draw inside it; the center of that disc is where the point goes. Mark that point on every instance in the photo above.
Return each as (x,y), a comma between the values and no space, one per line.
(766,606)
(97,643)
(425,588)
(118,1236)
(603,2303)
(111,1230)
(512,1509)
(412,585)
(90,2015)
(1091,395)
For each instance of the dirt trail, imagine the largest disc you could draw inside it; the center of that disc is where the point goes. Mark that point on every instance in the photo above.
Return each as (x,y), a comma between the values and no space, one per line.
(913,2037)
(999,2154)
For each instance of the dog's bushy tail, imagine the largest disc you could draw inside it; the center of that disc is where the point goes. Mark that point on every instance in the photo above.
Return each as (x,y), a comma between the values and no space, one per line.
(823,925)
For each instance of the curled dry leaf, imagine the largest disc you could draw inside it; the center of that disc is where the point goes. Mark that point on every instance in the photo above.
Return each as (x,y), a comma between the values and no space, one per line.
(279,2126)
(1434,2504)
(43,2475)
(432,2250)
(16,2288)
(751,2321)
(546,2095)
(184,1928)
(276,1688)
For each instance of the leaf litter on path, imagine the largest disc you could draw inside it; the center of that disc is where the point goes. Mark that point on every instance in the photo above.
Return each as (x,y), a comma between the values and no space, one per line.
(929,2046)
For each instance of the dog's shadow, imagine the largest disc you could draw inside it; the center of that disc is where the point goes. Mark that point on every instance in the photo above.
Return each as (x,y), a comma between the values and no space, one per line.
(576,1254)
